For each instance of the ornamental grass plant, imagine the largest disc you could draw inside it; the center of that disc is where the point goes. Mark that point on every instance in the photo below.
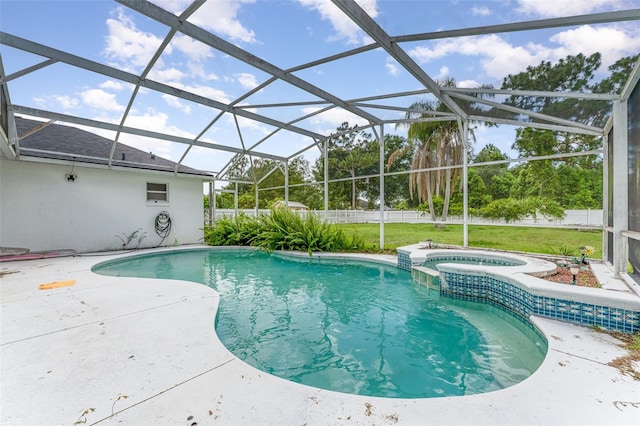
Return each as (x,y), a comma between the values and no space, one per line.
(282,229)
(241,230)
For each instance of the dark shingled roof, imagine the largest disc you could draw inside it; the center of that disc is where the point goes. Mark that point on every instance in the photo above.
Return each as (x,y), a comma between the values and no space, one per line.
(60,142)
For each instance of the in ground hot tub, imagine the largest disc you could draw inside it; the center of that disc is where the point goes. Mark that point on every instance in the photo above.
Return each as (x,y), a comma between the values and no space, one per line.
(425,262)
(514,282)
(432,261)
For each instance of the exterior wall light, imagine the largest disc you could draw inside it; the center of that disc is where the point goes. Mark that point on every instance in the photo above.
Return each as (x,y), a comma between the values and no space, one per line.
(71,177)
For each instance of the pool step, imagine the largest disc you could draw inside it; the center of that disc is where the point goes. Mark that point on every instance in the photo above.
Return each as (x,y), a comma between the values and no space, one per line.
(426,277)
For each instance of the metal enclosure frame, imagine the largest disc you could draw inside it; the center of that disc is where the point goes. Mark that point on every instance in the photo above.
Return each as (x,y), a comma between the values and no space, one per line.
(453,98)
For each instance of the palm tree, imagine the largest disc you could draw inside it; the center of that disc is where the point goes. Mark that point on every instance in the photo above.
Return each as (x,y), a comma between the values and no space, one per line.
(436,146)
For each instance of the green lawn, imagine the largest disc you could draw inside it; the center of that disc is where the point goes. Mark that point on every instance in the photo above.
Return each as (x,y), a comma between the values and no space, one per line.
(525,239)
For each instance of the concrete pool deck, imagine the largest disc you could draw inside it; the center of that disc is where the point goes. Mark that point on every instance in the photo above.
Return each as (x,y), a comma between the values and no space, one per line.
(136,351)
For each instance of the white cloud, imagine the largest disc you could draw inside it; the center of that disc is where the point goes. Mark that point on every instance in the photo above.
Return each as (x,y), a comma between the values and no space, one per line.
(64,101)
(128,46)
(246,124)
(392,66)
(499,57)
(40,101)
(198,69)
(469,84)
(194,49)
(221,16)
(246,80)
(333,118)
(132,49)
(206,91)
(548,8)
(173,6)
(100,99)
(166,75)
(502,58)
(67,102)
(612,43)
(113,85)
(480,11)
(158,122)
(344,27)
(175,103)
(444,73)
(207,159)
(427,54)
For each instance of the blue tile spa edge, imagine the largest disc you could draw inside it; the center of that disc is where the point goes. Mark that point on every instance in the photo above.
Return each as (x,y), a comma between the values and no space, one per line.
(516,289)
(605,313)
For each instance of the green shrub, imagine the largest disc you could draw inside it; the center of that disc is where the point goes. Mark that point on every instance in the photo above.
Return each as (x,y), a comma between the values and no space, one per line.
(512,209)
(282,230)
(239,231)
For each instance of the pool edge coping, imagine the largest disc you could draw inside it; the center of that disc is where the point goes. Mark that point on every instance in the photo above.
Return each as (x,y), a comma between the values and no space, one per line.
(442,410)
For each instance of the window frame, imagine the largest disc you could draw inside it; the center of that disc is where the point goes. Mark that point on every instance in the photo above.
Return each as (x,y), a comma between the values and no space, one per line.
(158,192)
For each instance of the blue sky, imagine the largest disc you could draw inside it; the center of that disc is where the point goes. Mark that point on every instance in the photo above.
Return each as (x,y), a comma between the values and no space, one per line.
(287,34)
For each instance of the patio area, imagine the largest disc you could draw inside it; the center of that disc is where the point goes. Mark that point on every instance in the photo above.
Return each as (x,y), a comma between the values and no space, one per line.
(108,350)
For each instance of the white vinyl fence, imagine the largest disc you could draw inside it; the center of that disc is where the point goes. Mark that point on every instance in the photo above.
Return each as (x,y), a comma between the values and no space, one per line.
(573,218)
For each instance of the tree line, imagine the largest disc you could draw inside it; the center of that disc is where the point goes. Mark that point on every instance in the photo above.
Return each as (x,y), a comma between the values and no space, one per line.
(501,189)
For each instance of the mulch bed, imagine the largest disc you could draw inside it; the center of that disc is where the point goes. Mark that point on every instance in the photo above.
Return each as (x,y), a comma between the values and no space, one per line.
(585,278)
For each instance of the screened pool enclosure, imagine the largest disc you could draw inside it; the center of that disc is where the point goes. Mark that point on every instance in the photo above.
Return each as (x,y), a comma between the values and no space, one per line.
(278,114)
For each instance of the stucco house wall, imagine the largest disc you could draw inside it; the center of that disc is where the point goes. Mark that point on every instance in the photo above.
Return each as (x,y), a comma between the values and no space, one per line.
(41,210)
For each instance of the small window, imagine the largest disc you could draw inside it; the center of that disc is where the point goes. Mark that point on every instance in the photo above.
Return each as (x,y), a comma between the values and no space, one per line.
(157,192)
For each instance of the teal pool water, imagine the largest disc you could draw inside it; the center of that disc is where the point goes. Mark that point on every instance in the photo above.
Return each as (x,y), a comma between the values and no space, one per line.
(349,326)
(433,262)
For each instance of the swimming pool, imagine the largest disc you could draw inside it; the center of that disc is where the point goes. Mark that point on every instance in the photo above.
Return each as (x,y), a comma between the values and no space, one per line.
(351,326)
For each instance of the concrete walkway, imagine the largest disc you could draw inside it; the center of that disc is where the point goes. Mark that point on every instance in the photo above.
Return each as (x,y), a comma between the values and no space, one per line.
(129,351)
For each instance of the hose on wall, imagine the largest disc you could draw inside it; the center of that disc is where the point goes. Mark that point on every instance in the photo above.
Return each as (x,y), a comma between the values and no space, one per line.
(163,225)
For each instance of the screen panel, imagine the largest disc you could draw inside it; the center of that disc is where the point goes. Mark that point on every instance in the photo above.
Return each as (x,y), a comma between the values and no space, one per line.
(634,178)
(609,200)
